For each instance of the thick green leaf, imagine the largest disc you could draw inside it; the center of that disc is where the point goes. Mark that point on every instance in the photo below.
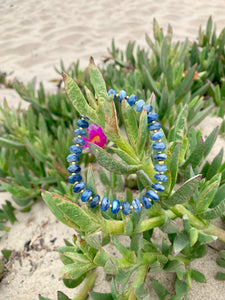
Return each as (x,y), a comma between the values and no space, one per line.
(215,165)
(180,242)
(149,81)
(220,276)
(196,155)
(160,290)
(173,167)
(175,266)
(76,270)
(180,125)
(124,156)
(110,163)
(210,141)
(62,296)
(164,56)
(143,133)
(185,192)
(185,85)
(100,296)
(5,142)
(145,180)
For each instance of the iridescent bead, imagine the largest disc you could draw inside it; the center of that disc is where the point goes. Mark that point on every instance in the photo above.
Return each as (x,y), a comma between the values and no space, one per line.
(159,146)
(82,123)
(148,108)
(139,105)
(115,206)
(145,201)
(79,140)
(160,156)
(161,177)
(126,208)
(79,131)
(160,168)
(136,205)
(111,91)
(152,117)
(79,186)
(158,187)
(75,149)
(95,200)
(105,204)
(132,99)
(73,158)
(86,195)
(152,195)
(73,178)
(156,136)
(122,95)
(74,169)
(154,126)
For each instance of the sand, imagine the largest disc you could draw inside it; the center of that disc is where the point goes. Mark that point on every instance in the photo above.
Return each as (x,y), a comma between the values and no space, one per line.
(34,36)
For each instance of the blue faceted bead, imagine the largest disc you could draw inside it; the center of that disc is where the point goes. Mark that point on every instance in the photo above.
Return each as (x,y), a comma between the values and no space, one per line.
(152,195)
(136,205)
(139,105)
(126,208)
(86,195)
(79,186)
(82,123)
(74,169)
(158,146)
(75,149)
(73,158)
(84,117)
(154,126)
(79,140)
(132,99)
(111,91)
(158,187)
(94,202)
(156,136)
(160,156)
(81,132)
(145,201)
(161,177)
(160,168)
(152,117)
(115,206)
(148,108)
(105,204)
(73,178)
(122,95)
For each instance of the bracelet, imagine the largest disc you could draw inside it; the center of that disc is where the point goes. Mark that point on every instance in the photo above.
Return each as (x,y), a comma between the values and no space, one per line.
(146,201)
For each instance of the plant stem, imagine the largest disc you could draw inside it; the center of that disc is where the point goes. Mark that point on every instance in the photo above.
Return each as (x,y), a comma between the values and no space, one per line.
(217,231)
(83,294)
(139,279)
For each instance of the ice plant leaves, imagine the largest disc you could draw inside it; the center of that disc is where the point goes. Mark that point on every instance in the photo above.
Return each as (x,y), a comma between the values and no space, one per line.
(185,192)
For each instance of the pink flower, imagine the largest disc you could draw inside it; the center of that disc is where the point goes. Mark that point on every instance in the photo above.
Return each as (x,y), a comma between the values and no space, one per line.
(95,136)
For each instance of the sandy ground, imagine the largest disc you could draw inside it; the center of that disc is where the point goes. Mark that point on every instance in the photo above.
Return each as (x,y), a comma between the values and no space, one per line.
(34,36)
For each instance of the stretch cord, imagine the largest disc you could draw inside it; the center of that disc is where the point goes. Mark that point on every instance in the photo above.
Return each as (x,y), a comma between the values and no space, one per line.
(146,201)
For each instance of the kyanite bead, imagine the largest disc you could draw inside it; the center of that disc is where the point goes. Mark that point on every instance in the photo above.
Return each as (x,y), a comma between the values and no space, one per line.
(158,146)
(158,187)
(79,131)
(79,140)
(73,178)
(160,156)
(122,95)
(94,202)
(86,195)
(136,205)
(154,126)
(132,99)
(160,168)
(115,206)
(161,177)
(152,195)
(84,117)
(139,105)
(79,186)
(126,208)
(82,123)
(111,91)
(156,136)
(73,169)
(105,204)
(75,149)
(152,117)
(145,201)
(148,108)
(73,158)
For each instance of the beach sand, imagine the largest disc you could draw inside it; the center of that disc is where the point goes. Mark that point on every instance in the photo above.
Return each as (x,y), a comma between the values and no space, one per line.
(34,36)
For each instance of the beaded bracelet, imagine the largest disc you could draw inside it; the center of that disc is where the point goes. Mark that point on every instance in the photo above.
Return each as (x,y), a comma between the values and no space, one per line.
(151,195)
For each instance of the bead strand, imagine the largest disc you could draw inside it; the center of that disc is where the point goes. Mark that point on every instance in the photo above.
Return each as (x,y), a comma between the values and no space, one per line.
(151,195)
